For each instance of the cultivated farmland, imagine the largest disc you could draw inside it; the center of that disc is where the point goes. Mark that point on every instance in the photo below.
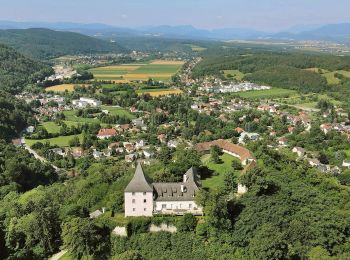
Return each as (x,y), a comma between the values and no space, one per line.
(158,69)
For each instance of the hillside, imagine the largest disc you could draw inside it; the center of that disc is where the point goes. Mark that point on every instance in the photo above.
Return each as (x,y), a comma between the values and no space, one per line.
(16,70)
(46,44)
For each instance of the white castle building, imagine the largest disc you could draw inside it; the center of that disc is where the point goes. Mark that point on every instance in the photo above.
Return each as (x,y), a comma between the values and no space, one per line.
(145,199)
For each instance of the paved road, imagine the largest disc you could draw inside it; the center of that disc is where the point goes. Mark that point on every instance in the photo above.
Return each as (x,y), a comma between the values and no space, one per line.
(58,255)
(37,156)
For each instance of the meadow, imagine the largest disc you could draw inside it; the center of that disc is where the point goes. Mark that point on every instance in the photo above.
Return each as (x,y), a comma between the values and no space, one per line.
(268,93)
(220,170)
(158,69)
(236,74)
(61,141)
(330,75)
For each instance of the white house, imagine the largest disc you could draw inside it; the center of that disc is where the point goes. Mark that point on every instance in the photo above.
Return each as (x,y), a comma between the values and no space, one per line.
(346,163)
(299,151)
(84,102)
(145,199)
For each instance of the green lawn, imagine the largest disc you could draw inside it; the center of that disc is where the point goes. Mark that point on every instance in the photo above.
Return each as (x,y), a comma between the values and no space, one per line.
(118,111)
(268,93)
(51,127)
(235,73)
(226,166)
(61,141)
(151,90)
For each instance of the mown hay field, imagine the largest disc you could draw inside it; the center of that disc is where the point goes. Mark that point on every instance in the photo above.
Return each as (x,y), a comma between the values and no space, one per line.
(62,88)
(161,70)
(159,92)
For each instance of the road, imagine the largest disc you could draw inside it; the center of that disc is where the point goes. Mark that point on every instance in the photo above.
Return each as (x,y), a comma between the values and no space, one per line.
(37,156)
(58,255)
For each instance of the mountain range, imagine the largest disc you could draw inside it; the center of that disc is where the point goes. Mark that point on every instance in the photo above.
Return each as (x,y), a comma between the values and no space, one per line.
(331,32)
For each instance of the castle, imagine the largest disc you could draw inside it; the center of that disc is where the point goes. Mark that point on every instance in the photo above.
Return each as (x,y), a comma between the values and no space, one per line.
(143,198)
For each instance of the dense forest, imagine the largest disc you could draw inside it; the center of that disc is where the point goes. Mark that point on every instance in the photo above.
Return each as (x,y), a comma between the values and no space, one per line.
(16,70)
(47,44)
(273,66)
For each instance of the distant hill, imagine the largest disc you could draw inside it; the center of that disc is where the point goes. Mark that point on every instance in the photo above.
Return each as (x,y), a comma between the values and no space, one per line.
(331,32)
(46,44)
(16,70)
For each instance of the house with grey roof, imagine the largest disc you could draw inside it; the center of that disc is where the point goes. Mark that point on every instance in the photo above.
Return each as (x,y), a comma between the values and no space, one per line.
(143,198)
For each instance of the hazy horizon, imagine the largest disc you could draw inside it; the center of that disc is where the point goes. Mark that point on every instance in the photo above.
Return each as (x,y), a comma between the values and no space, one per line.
(266,15)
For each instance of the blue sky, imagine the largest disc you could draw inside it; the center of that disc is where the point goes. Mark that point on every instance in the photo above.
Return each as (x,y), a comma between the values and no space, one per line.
(267,15)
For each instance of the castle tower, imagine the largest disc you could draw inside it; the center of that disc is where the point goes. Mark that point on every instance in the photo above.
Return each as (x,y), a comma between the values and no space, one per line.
(138,195)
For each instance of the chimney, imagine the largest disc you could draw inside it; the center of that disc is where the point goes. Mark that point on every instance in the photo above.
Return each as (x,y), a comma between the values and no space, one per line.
(185,178)
(183,188)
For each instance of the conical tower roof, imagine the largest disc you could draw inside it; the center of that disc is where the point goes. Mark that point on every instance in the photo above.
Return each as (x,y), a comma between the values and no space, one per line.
(139,182)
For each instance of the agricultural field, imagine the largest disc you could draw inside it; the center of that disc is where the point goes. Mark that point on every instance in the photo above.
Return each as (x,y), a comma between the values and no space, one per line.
(159,92)
(61,141)
(236,74)
(196,48)
(267,94)
(158,69)
(217,181)
(62,88)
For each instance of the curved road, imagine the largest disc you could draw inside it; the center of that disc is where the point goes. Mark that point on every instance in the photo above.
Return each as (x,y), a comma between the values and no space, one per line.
(37,156)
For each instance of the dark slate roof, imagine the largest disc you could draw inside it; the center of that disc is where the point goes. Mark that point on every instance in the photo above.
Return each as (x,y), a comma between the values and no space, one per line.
(172,191)
(139,182)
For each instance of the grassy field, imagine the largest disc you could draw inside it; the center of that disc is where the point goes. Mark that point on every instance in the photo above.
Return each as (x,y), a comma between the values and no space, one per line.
(306,101)
(196,48)
(53,128)
(226,166)
(268,93)
(61,141)
(330,75)
(157,69)
(235,73)
(71,116)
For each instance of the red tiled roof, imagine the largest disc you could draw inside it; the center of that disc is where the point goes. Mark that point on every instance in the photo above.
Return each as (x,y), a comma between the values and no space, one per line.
(107,132)
(242,152)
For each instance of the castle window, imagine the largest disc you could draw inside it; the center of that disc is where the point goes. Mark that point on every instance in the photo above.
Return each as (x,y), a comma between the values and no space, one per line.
(144,194)
(163,206)
(133,209)
(144,209)
(133,200)
(190,206)
(133,194)
(144,201)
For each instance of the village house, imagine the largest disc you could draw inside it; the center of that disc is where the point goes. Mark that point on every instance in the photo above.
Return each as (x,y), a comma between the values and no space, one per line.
(346,163)
(326,128)
(130,157)
(248,136)
(105,133)
(143,198)
(84,102)
(299,151)
(282,141)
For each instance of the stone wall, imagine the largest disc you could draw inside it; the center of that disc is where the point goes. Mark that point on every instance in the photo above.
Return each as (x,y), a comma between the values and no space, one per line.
(162,227)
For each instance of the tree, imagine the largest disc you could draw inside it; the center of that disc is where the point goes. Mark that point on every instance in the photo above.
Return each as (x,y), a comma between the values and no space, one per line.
(214,154)
(188,222)
(82,237)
